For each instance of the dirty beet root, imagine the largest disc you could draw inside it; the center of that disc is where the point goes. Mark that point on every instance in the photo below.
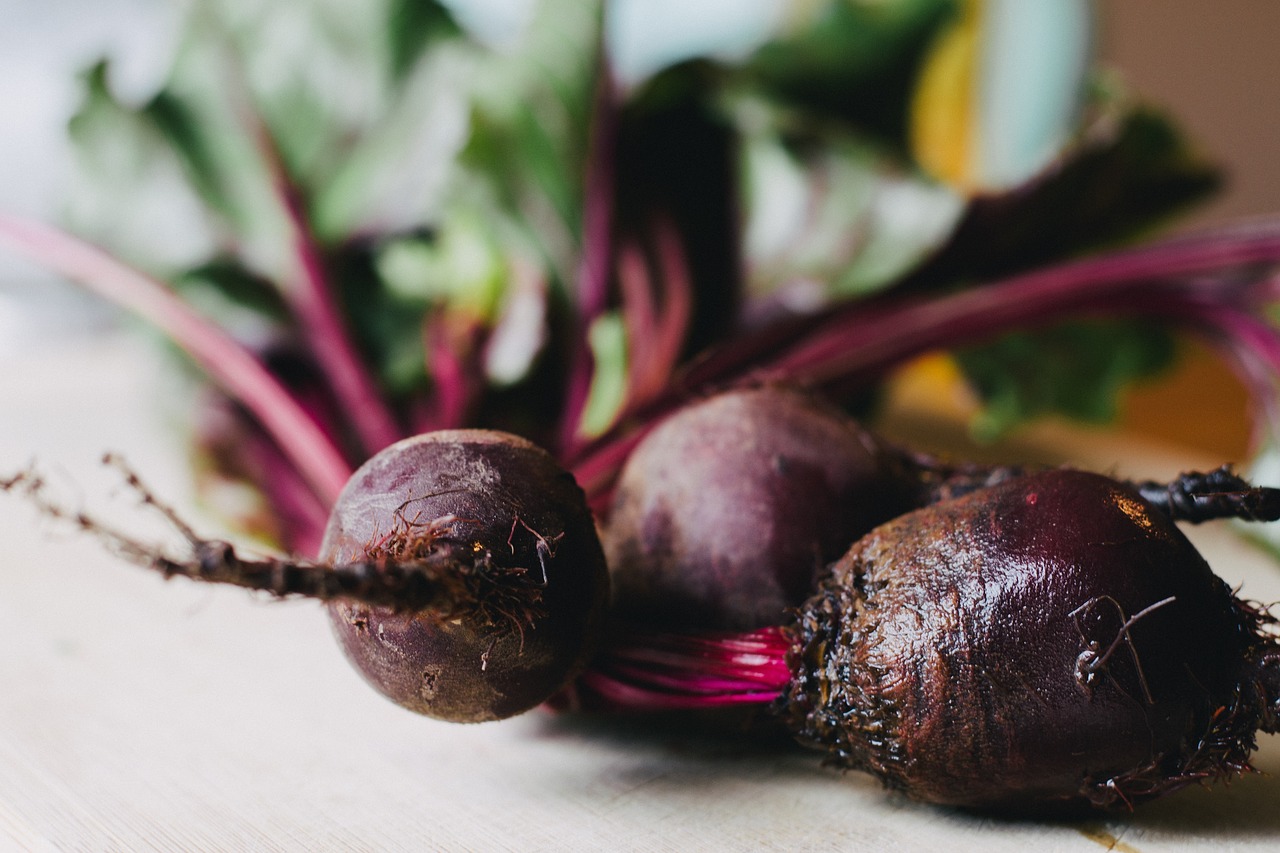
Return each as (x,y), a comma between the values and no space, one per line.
(515,530)
(463,572)
(727,511)
(1049,640)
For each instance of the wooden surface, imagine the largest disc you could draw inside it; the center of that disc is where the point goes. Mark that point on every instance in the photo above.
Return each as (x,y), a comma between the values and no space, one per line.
(137,714)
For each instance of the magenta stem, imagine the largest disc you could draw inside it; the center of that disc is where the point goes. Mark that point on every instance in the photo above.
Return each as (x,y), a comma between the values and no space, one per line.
(311,296)
(228,363)
(622,695)
(656,307)
(674,671)
(1217,283)
(869,336)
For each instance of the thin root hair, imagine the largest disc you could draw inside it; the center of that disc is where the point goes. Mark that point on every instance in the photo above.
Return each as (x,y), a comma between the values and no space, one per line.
(447,578)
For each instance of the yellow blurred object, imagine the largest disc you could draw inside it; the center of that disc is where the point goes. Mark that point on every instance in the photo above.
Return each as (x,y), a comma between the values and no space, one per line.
(1200,406)
(1001,90)
(942,108)
(934,386)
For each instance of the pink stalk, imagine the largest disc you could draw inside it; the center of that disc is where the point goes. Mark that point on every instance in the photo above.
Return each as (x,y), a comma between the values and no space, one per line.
(620,694)
(657,672)
(867,336)
(656,308)
(311,298)
(452,344)
(1215,283)
(885,339)
(228,363)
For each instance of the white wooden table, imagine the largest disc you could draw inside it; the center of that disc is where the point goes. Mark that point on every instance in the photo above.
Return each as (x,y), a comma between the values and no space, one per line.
(142,715)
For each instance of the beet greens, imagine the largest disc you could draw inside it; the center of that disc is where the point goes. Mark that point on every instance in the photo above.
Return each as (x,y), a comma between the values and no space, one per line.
(574,284)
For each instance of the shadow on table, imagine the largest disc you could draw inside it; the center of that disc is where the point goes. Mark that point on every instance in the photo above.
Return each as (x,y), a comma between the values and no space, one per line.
(677,752)
(1244,809)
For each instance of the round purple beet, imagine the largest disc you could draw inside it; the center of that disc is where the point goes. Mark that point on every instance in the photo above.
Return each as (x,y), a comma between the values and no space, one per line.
(727,511)
(523,546)
(1050,640)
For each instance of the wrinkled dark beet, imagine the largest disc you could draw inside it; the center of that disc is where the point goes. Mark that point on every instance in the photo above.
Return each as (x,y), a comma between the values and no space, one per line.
(1052,640)
(728,510)
(518,535)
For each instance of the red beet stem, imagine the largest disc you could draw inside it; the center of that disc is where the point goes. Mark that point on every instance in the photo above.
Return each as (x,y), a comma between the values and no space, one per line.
(309,293)
(228,364)
(642,671)
(1217,284)
(596,260)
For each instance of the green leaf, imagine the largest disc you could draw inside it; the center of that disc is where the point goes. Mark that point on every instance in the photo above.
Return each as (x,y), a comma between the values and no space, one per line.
(179,125)
(368,129)
(608,339)
(413,26)
(387,324)
(461,265)
(852,61)
(1075,369)
(237,285)
(121,153)
(531,123)
(824,205)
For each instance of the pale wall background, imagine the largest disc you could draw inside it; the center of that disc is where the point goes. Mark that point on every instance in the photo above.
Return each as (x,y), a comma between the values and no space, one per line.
(1216,65)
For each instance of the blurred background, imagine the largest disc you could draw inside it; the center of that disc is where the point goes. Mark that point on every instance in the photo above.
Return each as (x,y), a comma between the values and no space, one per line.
(1213,65)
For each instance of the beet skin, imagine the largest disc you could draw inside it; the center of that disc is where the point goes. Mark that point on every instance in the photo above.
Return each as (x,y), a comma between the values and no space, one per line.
(727,512)
(506,514)
(1050,640)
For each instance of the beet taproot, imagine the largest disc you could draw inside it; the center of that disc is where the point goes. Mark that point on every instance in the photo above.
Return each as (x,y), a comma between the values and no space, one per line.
(1051,640)
(517,532)
(727,511)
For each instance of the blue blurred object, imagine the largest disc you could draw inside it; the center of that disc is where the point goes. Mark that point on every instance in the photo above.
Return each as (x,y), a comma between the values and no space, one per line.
(1002,90)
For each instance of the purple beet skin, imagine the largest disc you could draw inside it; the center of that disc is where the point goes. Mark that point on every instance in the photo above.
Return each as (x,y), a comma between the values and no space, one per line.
(522,548)
(728,510)
(1049,640)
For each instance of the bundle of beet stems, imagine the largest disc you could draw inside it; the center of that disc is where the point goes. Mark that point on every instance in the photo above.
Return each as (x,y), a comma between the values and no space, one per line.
(988,636)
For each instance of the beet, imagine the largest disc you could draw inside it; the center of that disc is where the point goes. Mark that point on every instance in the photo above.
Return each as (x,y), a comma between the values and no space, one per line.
(497,507)
(463,571)
(1050,640)
(727,511)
